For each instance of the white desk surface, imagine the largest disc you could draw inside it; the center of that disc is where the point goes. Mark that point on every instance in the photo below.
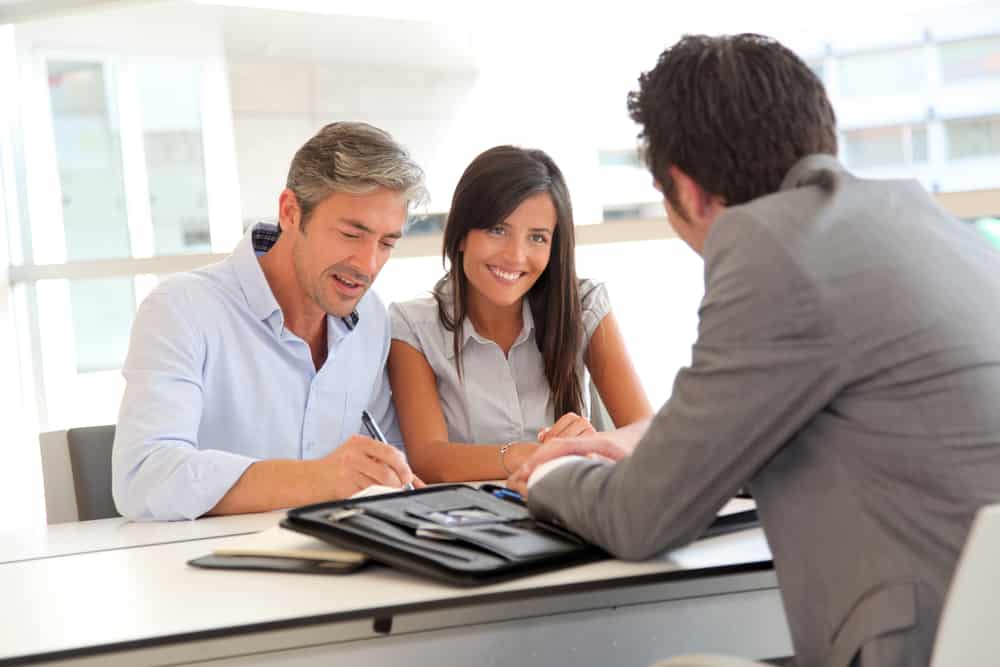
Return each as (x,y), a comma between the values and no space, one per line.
(89,603)
(63,539)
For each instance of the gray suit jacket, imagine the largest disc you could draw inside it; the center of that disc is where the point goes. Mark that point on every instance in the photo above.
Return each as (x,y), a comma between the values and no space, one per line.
(847,367)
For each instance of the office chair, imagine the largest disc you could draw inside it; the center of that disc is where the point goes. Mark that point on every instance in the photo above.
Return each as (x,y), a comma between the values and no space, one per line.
(599,416)
(90,460)
(967,632)
(57,476)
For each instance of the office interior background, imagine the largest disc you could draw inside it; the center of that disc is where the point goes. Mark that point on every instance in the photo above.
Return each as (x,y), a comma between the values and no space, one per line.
(141,138)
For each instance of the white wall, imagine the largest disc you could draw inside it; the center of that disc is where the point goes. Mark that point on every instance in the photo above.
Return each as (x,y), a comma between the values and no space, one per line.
(516,80)
(278,106)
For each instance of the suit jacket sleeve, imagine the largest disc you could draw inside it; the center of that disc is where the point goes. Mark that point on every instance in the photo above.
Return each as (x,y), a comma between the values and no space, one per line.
(765,362)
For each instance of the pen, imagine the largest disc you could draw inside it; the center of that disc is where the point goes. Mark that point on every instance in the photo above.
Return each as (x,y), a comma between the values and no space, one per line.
(376,434)
(503,493)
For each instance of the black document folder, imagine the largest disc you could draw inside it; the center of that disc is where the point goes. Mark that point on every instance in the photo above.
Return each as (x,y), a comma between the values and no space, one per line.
(455,533)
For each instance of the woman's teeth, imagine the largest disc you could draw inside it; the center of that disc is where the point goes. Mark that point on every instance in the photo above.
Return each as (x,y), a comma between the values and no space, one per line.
(506,275)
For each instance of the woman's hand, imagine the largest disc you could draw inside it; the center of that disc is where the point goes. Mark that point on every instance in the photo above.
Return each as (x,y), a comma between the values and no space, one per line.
(570,425)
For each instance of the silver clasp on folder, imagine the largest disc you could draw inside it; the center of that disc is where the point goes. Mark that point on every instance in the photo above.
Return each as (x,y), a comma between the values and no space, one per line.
(344,513)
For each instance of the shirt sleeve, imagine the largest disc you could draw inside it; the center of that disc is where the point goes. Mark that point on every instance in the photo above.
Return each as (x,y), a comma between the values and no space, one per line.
(766,361)
(595,305)
(159,471)
(381,406)
(402,326)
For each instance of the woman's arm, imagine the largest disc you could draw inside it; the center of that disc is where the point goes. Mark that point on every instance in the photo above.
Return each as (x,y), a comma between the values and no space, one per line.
(425,434)
(615,376)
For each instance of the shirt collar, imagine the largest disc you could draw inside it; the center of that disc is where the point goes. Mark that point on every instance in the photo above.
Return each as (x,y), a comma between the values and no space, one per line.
(260,299)
(258,239)
(818,169)
(469,331)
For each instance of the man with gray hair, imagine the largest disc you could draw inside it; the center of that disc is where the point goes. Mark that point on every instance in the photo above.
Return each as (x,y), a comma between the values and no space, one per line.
(246,380)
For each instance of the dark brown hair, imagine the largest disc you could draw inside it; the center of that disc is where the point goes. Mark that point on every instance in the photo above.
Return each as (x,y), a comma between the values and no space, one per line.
(734,113)
(490,189)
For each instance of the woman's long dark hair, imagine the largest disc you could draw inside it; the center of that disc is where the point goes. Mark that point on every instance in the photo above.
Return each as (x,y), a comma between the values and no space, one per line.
(492,187)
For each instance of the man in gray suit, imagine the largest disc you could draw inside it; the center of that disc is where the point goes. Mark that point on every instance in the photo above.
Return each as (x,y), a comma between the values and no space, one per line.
(846,370)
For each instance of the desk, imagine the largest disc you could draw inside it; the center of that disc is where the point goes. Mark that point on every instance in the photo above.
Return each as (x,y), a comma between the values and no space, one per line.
(143,605)
(65,539)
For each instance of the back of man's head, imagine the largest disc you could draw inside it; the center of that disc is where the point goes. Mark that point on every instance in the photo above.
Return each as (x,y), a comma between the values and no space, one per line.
(732,112)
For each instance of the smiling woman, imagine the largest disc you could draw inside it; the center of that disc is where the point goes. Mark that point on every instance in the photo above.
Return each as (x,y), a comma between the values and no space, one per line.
(503,262)
(496,360)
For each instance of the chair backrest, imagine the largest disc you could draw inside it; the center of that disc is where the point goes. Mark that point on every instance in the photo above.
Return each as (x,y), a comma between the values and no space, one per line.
(968,633)
(599,416)
(90,459)
(57,473)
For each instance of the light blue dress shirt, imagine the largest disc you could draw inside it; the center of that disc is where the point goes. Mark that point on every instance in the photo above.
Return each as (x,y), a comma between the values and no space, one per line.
(215,382)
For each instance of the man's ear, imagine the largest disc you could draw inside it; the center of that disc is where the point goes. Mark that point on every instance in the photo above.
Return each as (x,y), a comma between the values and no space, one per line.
(688,193)
(289,213)
(697,202)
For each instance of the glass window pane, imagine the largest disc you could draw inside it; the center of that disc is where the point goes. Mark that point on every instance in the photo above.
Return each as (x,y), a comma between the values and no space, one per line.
(617,213)
(628,157)
(918,143)
(634,211)
(886,146)
(970,59)
(976,137)
(170,99)
(867,73)
(624,187)
(79,346)
(426,223)
(874,146)
(990,228)
(88,152)
(816,65)
(103,311)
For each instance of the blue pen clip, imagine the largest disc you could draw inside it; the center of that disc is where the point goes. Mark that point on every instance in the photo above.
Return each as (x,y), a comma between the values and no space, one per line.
(503,493)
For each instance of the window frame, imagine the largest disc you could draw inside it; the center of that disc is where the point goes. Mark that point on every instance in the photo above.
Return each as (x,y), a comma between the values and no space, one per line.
(31,189)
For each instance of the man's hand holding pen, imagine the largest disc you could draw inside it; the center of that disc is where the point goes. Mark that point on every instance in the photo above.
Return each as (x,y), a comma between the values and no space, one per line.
(376,434)
(359,463)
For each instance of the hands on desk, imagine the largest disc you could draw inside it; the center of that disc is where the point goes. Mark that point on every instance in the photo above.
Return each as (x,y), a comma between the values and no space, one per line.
(570,425)
(361,462)
(594,445)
